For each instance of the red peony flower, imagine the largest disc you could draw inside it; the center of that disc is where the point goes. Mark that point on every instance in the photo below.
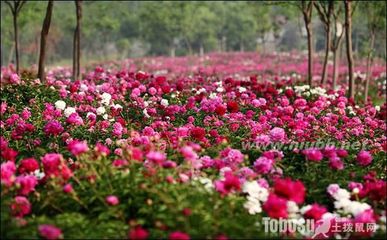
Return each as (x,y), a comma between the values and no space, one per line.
(275,207)
(291,190)
(28,165)
(138,233)
(232,107)
(198,133)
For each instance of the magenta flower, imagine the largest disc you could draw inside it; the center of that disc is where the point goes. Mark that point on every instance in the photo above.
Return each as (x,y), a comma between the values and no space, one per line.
(178,236)
(49,232)
(277,134)
(156,157)
(77,147)
(112,200)
(364,158)
(313,154)
(53,128)
(263,165)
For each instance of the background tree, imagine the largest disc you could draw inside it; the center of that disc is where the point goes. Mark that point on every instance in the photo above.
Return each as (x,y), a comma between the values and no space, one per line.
(15,7)
(349,10)
(43,40)
(324,9)
(77,36)
(338,33)
(306,8)
(376,21)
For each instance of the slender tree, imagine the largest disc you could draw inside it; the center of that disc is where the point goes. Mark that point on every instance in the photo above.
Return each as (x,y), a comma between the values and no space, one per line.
(306,8)
(338,34)
(376,20)
(76,42)
(324,9)
(15,7)
(43,40)
(348,41)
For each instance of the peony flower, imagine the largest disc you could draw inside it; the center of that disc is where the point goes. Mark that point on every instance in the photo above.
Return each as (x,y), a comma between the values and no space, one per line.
(77,147)
(313,154)
(291,190)
(277,134)
(100,110)
(53,128)
(49,232)
(60,105)
(156,157)
(275,207)
(138,233)
(315,212)
(364,158)
(112,200)
(178,236)
(28,165)
(263,165)
(20,206)
(27,184)
(68,111)
(8,170)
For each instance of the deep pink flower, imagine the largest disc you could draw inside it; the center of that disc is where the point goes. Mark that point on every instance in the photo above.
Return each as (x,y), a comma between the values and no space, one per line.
(230,183)
(291,190)
(364,158)
(178,236)
(68,188)
(53,128)
(77,147)
(9,154)
(27,184)
(8,170)
(313,154)
(20,206)
(138,233)
(315,212)
(28,165)
(277,134)
(263,165)
(112,200)
(156,157)
(49,232)
(275,207)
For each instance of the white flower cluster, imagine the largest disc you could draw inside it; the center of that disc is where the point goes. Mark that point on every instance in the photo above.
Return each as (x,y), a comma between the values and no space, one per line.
(60,105)
(345,205)
(256,195)
(106,97)
(68,111)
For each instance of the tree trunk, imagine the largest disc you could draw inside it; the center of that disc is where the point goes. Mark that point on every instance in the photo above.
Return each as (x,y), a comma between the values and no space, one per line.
(348,37)
(15,28)
(327,48)
(43,40)
(369,61)
(201,50)
(76,43)
(310,53)
(173,50)
(11,53)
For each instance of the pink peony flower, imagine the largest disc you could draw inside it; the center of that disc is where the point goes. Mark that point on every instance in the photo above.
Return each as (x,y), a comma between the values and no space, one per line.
(315,212)
(364,158)
(49,232)
(263,165)
(68,188)
(277,134)
(27,184)
(53,128)
(8,170)
(230,183)
(112,200)
(20,206)
(313,154)
(138,233)
(178,236)
(275,207)
(156,157)
(77,147)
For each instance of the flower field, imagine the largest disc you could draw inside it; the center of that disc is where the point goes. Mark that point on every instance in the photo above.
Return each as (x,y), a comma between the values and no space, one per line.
(191,147)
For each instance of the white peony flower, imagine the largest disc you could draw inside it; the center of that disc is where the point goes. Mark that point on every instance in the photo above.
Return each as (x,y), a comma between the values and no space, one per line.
(164,102)
(101,110)
(253,206)
(105,116)
(256,191)
(341,194)
(60,104)
(106,98)
(68,111)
